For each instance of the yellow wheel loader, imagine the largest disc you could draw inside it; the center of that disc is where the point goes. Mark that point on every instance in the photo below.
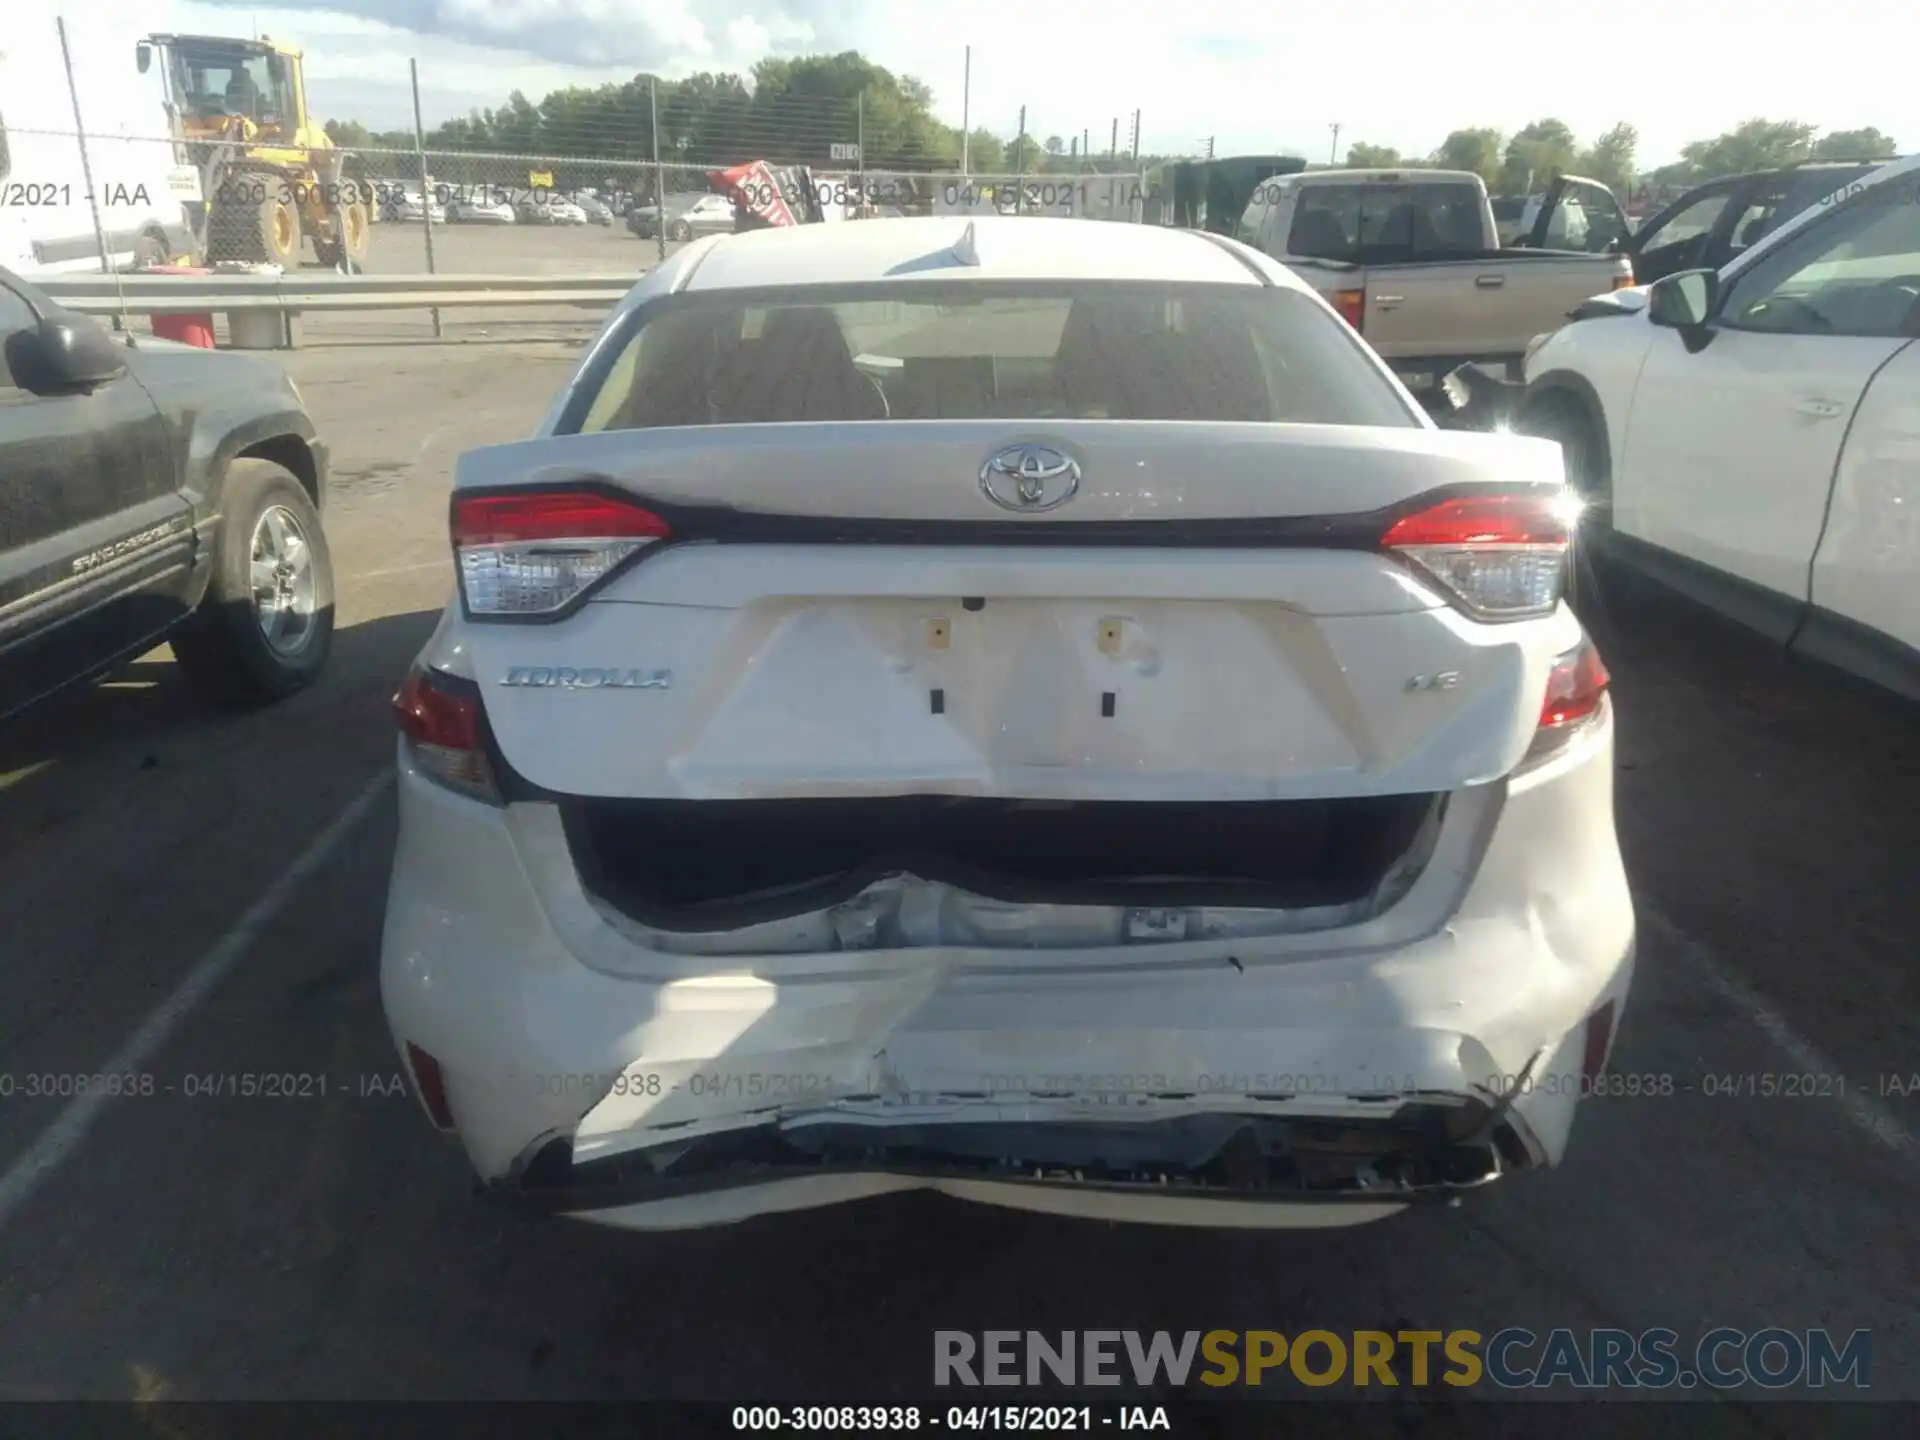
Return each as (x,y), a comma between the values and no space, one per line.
(270,176)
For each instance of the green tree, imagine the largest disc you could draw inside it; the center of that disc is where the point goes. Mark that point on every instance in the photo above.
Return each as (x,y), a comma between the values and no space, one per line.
(1362,156)
(1023,155)
(1475,150)
(708,117)
(987,153)
(1610,158)
(1751,145)
(1535,155)
(1867,144)
(792,110)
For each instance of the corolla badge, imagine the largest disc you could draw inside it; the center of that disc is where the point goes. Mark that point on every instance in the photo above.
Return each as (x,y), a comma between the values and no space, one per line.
(568,677)
(1030,478)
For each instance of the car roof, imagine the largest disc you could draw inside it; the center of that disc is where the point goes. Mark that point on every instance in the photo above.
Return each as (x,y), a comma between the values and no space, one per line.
(1009,247)
(1781,172)
(1385,175)
(1886,174)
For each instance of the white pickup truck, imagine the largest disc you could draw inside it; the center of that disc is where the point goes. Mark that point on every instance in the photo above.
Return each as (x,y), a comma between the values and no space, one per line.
(1413,260)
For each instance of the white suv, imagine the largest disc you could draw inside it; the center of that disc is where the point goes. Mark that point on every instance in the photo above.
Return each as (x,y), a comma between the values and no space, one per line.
(1749,432)
(1029,709)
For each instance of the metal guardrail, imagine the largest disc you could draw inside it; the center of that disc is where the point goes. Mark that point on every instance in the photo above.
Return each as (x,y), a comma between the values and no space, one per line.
(296,293)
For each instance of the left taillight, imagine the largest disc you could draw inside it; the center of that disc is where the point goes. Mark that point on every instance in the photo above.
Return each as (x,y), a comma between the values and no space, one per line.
(441,720)
(531,553)
(1501,556)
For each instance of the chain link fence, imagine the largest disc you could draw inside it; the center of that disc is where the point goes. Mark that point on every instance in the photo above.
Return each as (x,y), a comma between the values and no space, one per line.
(191,151)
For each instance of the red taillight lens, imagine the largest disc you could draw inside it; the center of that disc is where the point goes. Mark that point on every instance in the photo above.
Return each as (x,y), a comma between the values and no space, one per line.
(531,553)
(552,515)
(1575,687)
(444,726)
(1352,305)
(1502,556)
(431,1085)
(1576,691)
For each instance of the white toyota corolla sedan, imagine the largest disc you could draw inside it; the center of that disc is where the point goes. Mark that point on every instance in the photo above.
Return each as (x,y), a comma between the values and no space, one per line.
(1025,708)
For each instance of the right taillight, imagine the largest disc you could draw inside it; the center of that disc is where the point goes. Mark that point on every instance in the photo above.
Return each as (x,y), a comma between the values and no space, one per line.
(1352,305)
(1575,687)
(1501,556)
(430,1083)
(442,721)
(1576,691)
(530,553)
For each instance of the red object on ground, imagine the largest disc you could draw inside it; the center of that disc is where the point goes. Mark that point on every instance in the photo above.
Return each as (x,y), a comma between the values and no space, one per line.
(196,330)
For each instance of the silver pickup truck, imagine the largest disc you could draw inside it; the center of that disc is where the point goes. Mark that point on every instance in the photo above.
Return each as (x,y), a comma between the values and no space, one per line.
(1412,259)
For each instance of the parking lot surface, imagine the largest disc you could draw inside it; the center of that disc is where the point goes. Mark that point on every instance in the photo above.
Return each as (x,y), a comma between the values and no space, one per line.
(192,896)
(396,247)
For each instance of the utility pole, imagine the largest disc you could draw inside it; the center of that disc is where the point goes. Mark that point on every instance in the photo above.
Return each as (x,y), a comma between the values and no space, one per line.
(1136,134)
(86,165)
(659,175)
(1209,149)
(1333,151)
(1020,148)
(426,190)
(966,100)
(1113,146)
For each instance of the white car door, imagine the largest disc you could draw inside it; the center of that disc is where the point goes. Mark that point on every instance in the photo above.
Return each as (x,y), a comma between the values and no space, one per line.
(1736,430)
(1868,568)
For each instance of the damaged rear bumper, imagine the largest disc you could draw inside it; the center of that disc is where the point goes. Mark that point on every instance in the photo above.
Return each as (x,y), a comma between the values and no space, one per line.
(1325,1077)
(1255,1166)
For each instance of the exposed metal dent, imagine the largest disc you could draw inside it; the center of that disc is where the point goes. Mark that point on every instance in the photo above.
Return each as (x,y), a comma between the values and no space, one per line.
(1394,1148)
(906,911)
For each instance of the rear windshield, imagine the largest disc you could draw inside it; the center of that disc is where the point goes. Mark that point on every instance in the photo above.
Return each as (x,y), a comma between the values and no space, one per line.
(971,352)
(1378,224)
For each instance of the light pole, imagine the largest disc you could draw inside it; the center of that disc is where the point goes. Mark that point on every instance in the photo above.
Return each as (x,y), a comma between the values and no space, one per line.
(966,100)
(1333,151)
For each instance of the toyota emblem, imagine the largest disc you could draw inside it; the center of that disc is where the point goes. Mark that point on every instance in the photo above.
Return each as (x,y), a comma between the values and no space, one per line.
(1030,478)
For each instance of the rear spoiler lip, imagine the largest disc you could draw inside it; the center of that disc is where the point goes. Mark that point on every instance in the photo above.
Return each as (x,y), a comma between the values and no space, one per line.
(725,525)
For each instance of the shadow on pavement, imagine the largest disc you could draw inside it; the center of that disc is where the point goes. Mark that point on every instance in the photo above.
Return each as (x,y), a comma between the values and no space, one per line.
(145,725)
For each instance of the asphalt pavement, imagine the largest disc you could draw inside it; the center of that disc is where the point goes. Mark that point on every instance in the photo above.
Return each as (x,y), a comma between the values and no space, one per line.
(187,896)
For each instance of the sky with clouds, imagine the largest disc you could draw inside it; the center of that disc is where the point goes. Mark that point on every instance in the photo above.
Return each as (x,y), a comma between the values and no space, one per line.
(1253,75)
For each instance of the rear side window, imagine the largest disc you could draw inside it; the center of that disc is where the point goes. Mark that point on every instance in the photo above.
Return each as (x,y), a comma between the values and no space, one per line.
(1381,223)
(1085,352)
